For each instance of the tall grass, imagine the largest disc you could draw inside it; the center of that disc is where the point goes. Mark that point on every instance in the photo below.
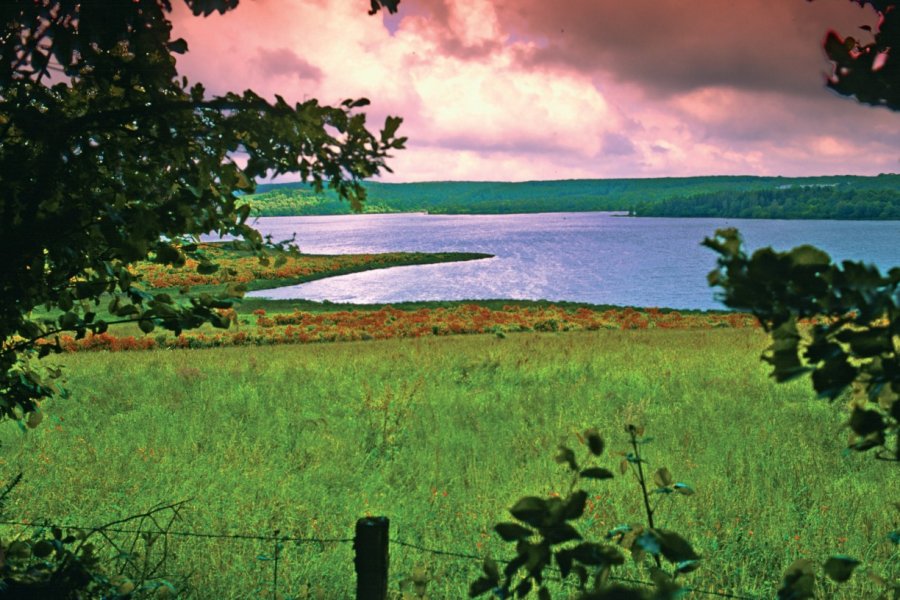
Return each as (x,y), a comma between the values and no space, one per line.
(442,435)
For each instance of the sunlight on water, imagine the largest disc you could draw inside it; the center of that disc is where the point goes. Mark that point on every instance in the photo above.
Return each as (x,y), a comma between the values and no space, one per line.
(589,257)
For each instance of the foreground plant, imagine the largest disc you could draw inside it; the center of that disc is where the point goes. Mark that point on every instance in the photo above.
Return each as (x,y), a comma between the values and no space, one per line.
(544,533)
(851,350)
(854,342)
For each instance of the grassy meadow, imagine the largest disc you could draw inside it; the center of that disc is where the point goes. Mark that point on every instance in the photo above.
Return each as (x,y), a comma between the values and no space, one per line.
(443,435)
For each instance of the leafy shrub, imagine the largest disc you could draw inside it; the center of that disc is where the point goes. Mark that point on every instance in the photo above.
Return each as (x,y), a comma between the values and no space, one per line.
(544,533)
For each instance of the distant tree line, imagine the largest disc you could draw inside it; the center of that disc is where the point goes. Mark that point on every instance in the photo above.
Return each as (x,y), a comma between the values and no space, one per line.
(833,197)
(293,202)
(807,202)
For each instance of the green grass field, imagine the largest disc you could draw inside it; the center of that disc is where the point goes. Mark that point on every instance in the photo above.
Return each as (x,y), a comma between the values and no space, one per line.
(442,435)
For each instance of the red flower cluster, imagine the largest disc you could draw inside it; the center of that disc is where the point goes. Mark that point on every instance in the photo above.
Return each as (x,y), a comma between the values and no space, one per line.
(303,327)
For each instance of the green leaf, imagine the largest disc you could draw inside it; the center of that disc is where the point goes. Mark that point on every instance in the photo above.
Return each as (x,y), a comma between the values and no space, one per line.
(39,60)
(178,46)
(840,567)
(799,581)
(648,542)
(687,566)
(868,342)
(391,124)
(65,300)
(42,549)
(684,489)
(821,349)
(168,254)
(531,510)
(34,419)
(567,455)
(660,578)
(537,556)
(243,183)
(574,505)
(663,478)
(481,586)
(833,376)
(511,532)
(29,329)
(864,422)
(125,310)
(146,325)
(596,473)
(618,531)
(491,570)
(516,563)
(594,441)
(560,533)
(809,256)
(671,545)
(590,553)
(564,562)
(784,352)
(68,320)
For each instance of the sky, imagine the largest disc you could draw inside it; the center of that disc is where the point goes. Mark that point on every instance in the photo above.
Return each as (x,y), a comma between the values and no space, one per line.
(517,90)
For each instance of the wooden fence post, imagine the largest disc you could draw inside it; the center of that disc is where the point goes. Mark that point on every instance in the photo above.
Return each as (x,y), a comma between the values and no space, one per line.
(371,560)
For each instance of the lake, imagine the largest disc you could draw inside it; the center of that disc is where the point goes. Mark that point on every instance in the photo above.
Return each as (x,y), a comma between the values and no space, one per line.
(600,258)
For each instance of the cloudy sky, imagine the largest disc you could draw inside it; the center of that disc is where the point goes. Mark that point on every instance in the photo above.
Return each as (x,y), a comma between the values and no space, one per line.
(525,89)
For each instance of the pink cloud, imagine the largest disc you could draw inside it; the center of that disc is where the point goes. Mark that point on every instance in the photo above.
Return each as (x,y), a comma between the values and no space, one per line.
(285,62)
(525,89)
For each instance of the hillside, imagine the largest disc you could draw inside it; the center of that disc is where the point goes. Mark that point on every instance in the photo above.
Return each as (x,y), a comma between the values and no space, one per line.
(827,197)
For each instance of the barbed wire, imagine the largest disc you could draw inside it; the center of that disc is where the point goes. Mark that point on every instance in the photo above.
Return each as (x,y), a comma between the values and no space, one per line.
(309,540)
(442,552)
(555,569)
(194,534)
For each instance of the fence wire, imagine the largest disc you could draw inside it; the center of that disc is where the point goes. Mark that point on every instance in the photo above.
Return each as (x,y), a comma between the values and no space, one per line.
(309,540)
(194,534)
(463,555)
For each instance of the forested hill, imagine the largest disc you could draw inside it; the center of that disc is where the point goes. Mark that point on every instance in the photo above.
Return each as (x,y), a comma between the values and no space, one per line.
(833,197)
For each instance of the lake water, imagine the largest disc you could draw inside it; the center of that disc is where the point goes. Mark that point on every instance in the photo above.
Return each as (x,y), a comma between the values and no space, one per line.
(599,258)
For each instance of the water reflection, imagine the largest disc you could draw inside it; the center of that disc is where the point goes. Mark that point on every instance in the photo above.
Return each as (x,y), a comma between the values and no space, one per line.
(589,257)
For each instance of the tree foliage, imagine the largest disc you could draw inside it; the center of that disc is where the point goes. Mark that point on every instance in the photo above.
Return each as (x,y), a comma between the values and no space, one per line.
(853,340)
(868,72)
(108,157)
